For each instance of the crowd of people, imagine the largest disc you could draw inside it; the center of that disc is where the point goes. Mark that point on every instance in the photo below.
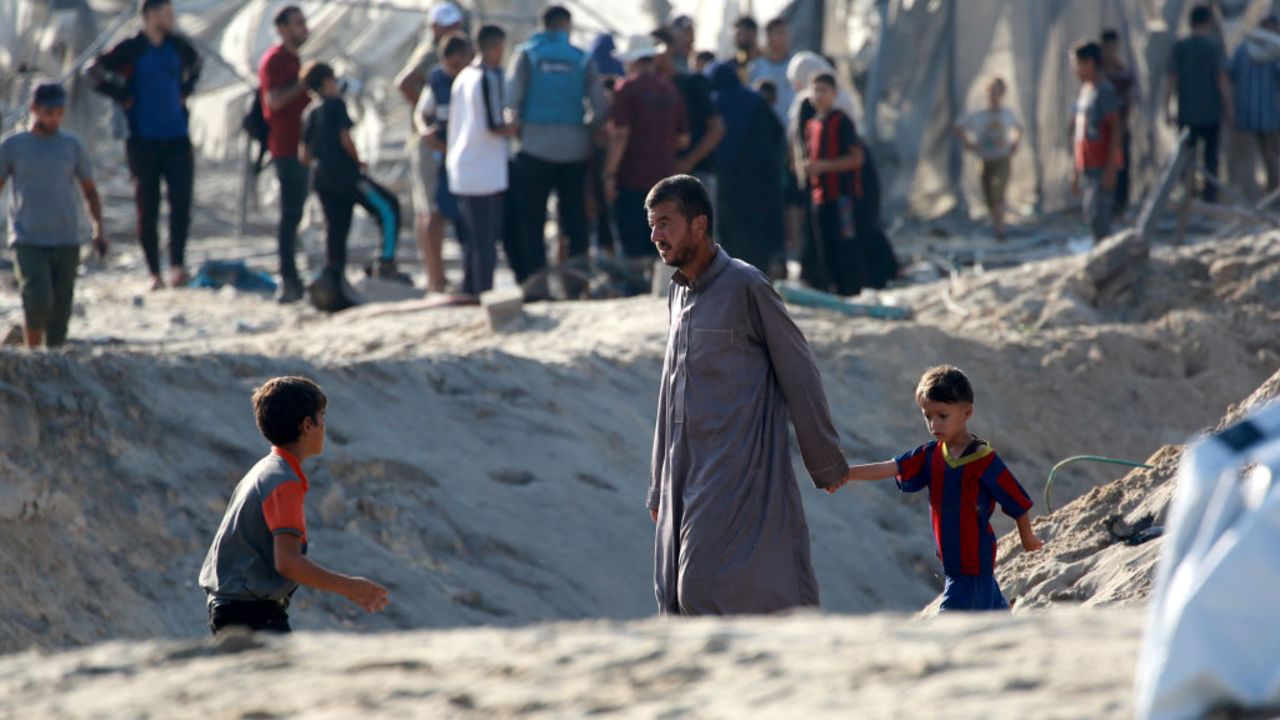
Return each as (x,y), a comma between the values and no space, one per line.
(496,131)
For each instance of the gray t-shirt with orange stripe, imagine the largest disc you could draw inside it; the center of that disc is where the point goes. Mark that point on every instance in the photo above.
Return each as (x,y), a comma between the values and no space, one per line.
(268,501)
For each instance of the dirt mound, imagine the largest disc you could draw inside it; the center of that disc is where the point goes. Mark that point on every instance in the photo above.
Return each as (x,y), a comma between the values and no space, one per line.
(1080,663)
(1095,554)
(498,478)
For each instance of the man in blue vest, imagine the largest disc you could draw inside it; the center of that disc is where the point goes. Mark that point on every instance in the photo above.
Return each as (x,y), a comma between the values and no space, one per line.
(551,86)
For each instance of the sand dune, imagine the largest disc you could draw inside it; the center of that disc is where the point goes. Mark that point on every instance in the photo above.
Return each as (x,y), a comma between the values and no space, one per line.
(1063,664)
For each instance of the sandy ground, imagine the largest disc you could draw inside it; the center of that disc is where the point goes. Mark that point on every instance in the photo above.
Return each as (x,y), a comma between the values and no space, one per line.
(496,479)
(1061,664)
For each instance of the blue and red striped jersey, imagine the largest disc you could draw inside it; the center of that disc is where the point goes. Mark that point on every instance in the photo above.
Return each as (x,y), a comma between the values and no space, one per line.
(962,495)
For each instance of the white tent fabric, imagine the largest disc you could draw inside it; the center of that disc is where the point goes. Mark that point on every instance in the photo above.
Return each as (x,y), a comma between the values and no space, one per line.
(1212,638)
(922,62)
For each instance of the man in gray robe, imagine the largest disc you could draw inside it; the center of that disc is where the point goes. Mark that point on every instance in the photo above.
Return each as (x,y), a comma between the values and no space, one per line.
(731,535)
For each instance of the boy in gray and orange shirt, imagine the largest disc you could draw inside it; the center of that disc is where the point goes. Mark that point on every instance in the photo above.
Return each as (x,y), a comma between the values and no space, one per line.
(258,558)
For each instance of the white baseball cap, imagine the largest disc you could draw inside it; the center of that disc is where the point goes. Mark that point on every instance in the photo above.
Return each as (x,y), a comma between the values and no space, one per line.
(446,14)
(640,47)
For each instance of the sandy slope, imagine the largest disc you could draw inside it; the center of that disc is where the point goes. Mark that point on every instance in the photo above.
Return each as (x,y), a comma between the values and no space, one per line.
(1062,664)
(498,478)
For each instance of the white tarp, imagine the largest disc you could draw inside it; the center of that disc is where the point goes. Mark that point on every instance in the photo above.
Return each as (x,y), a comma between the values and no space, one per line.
(1212,637)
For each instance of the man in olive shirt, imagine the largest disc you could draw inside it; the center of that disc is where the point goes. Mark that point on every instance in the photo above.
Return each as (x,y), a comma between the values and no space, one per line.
(46,224)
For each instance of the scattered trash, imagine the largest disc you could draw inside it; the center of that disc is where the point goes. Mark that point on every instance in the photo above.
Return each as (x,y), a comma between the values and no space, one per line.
(216,274)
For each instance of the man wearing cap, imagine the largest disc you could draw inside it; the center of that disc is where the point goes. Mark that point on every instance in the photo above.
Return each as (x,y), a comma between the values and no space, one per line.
(647,127)
(550,85)
(151,75)
(424,162)
(46,225)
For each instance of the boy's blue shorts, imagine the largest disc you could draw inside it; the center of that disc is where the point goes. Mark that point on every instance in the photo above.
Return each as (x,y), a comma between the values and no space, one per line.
(972,592)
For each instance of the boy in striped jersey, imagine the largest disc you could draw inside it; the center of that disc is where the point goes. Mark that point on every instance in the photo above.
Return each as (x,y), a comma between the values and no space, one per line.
(966,479)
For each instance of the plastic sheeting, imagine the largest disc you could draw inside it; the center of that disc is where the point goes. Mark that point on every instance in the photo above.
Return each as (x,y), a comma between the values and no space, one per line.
(1212,638)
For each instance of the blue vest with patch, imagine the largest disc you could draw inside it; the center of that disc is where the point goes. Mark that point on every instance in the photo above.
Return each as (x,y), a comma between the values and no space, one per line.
(557,80)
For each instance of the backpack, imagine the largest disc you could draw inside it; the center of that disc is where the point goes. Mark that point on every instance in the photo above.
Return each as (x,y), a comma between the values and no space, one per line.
(256,126)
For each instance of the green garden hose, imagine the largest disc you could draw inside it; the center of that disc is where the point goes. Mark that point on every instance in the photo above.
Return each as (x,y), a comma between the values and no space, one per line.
(1048,486)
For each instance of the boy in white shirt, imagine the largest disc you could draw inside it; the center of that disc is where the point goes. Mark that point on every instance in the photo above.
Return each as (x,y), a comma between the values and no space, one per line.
(992,134)
(477,159)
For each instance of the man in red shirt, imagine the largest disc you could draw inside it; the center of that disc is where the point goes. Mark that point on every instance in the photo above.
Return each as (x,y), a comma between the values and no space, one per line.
(647,127)
(1098,137)
(284,97)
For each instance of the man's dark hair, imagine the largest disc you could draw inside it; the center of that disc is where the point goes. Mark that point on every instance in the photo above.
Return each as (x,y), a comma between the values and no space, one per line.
(746,22)
(663,35)
(944,384)
(826,79)
(286,14)
(282,403)
(705,56)
(315,75)
(455,44)
(1110,35)
(777,23)
(689,195)
(556,16)
(147,6)
(1201,15)
(1089,50)
(489,36)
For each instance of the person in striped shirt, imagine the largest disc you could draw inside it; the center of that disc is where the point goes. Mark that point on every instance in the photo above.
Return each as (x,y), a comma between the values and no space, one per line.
(966,479)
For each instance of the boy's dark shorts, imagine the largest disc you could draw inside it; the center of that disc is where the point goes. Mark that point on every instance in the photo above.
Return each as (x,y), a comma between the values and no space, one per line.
(995,181)
(256,615)
(972,592)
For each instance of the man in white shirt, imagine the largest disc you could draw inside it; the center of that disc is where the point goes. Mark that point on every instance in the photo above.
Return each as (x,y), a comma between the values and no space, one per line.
(476,160)
(992,134)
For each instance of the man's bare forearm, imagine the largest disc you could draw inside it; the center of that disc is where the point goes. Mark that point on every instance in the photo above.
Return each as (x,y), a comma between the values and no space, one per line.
(94,202)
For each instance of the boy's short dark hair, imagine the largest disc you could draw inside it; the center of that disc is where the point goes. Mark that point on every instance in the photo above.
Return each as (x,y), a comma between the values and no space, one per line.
(944,384)
(1089,50)
(663,35)
(286,14)
(282,403)
(315,75)
(689,195)
(1110,35)
(147,6)
(1201,15)
(705,56)
(746,22)
(826,79)
(777,23)
(455,44)
(555,16)
(489,36)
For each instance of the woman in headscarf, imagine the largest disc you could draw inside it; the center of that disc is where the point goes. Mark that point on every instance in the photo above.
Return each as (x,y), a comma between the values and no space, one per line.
(875,259)
(749,163)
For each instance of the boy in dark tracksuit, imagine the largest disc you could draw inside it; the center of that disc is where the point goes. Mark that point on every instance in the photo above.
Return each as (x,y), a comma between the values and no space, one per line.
(833,155)
(341,184)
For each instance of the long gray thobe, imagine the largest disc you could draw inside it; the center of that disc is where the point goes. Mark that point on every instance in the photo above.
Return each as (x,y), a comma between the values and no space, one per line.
(731,535)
